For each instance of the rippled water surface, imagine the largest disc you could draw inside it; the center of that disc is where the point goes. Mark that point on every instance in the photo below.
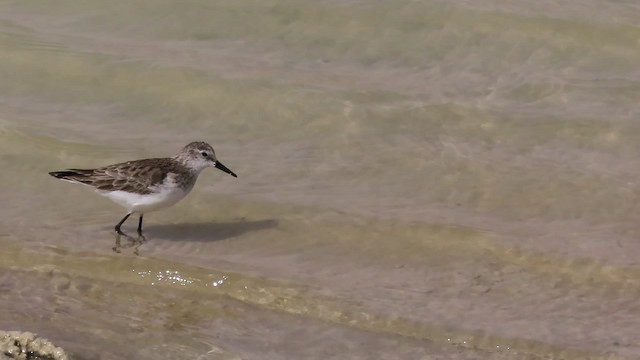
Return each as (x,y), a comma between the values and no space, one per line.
(416,179)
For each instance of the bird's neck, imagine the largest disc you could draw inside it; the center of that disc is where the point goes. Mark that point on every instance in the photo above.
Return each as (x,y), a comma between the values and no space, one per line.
(194,169)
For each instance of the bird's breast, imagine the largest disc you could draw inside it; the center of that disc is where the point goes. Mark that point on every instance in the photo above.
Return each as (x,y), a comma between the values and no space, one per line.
(157,197)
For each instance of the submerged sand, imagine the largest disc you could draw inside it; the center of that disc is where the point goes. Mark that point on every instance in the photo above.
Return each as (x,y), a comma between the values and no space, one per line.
(417,180)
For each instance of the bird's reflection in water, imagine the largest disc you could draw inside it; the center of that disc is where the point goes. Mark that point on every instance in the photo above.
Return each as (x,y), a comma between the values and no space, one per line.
(131,242)
(209,231)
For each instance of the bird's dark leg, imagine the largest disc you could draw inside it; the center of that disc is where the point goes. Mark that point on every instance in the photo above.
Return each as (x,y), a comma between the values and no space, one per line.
(120,224)
(140,225)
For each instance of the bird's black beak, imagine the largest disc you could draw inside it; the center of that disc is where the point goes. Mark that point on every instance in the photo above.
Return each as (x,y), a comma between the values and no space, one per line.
(219,165)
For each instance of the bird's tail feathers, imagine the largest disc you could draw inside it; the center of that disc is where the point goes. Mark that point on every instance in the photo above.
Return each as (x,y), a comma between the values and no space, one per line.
(74,175)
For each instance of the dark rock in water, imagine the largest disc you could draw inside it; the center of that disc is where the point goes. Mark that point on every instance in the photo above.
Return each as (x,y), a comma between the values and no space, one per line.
(16,345)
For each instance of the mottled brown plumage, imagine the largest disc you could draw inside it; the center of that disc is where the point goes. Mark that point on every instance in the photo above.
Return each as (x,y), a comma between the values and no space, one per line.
(133,176)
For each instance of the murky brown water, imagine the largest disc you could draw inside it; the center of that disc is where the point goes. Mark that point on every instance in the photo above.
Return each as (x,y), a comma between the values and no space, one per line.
(417,180)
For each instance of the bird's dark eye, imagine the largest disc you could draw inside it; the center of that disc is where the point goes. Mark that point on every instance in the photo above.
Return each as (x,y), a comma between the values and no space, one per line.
(204,153)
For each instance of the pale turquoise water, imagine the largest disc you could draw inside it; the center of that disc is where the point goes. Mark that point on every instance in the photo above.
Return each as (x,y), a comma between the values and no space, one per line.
(416,179)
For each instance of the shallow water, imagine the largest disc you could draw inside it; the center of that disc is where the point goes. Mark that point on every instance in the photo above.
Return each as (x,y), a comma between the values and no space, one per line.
(450,180)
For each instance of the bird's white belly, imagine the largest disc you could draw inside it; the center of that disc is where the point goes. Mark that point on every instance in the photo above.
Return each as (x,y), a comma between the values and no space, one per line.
(163,195)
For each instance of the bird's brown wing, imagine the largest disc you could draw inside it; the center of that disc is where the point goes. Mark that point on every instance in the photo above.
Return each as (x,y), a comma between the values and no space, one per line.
(133,176)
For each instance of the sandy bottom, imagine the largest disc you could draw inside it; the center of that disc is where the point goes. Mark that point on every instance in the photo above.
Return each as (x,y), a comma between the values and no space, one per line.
(416,180)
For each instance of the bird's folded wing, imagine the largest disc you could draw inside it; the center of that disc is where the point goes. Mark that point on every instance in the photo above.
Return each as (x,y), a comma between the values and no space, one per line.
(137,176)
